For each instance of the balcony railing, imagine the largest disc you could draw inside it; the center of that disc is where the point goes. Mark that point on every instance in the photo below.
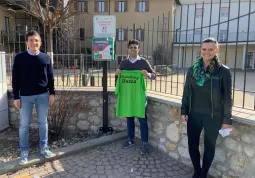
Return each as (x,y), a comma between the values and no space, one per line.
(222,38)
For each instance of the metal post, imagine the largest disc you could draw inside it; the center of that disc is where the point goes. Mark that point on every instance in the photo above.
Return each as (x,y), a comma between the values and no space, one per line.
(105,127)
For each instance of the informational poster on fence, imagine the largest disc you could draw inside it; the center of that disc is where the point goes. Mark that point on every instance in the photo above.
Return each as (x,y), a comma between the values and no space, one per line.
(104,26)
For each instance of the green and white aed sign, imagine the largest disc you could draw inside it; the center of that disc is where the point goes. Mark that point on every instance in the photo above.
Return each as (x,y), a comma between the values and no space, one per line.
(103,48)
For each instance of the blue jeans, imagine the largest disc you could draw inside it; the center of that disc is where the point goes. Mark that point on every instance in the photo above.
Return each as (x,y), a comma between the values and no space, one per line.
(143,127)
(41,103)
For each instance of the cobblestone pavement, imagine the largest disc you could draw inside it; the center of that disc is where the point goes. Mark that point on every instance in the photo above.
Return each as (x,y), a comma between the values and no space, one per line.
(109,161)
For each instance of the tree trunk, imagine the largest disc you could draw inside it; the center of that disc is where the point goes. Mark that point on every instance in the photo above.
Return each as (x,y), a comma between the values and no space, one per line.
(49,43)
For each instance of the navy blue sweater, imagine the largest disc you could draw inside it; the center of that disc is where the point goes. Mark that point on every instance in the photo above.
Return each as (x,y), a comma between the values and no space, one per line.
(32,75)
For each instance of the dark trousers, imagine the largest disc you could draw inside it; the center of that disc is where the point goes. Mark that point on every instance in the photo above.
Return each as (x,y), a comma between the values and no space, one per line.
(196,122)
(143,128)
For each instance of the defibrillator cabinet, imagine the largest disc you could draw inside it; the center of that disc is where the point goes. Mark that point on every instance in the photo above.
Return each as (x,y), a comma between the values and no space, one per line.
(103,49)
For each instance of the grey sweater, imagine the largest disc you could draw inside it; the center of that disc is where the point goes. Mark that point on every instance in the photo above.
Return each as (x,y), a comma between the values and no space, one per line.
(141,64)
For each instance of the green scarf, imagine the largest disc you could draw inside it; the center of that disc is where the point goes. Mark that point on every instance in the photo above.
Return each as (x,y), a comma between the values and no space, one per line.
(201,75)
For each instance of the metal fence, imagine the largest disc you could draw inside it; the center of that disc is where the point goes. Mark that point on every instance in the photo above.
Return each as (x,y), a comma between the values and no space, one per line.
(170,43)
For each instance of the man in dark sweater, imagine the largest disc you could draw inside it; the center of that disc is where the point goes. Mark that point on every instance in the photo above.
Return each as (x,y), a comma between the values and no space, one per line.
(33,84)
(135,62)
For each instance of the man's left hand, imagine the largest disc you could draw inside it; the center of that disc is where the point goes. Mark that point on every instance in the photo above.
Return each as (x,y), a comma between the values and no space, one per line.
(51,99)
(145,73)
(225,126)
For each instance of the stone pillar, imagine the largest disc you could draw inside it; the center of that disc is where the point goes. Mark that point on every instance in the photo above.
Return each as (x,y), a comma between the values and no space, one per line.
(4,121)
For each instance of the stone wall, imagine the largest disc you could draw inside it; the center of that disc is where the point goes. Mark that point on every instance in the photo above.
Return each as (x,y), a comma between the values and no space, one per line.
(88,117)
(235,155)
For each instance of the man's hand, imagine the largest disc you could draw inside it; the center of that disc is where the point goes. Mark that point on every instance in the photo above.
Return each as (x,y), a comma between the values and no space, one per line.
(145,73)
(51,99)
(225,126)
(17,103)
(185,117)
(118,71)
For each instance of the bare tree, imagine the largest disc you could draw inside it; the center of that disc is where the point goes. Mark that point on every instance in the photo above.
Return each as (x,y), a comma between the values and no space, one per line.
(52,14)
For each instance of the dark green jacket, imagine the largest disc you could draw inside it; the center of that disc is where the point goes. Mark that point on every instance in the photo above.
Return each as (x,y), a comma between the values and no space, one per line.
(222,93)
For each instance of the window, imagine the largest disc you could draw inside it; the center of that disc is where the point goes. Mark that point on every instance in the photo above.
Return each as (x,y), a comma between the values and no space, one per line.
(199,12)
(224,11)
(82,6)
(82,34)
(121,6)
(121,34)
(140,34)
(223,35)
(197,36)
(101,6)
(142,6)
(7,23)
(251,60)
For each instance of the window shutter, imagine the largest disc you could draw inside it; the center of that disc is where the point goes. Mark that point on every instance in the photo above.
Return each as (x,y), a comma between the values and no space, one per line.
(117,34)
(126,6)
(137,6)
(86,6)
(147,6)
(125,34)
(76,5)
(116,6)
(96,6)
(106,6)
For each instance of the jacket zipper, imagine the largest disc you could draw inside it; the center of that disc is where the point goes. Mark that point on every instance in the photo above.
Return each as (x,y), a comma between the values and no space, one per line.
(212,93)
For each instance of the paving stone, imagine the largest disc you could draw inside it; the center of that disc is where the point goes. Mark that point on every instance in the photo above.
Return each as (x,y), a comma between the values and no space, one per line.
(110,161)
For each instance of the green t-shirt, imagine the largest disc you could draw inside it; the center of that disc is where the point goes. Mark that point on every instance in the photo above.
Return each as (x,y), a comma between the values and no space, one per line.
(130,90)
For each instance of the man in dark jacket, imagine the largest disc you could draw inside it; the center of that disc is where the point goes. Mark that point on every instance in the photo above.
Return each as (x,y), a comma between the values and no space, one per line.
(206,104)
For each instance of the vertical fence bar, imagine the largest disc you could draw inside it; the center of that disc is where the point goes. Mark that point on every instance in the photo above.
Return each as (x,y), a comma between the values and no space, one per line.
(210,21)
(62,57)
(179,52)
(157,52)
(226,47)
(202,22)
(56,54)
(162,50)
(174,39)
(219,21)
(68,56)
(80,56)
(167,46)
(237,38)
(193,36)
(152,40)
(143,37)
(147,43)
(185,53)
(246,53)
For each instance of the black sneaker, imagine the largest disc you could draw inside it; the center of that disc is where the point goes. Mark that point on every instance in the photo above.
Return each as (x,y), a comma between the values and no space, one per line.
(127,144)
(145,149)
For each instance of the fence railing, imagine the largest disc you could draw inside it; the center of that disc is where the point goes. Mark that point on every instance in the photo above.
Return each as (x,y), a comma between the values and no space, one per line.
(167,44)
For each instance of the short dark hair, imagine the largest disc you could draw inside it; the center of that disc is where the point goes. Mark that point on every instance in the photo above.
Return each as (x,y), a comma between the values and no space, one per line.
(32,33)
(134,41)
(211,40)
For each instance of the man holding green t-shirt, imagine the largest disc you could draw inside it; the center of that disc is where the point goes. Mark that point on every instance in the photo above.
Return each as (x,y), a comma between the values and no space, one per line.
(133,63)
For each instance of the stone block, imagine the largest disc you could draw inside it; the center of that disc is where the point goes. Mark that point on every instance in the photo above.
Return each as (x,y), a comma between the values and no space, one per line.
(173,133)
(171,146)
(175,112)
